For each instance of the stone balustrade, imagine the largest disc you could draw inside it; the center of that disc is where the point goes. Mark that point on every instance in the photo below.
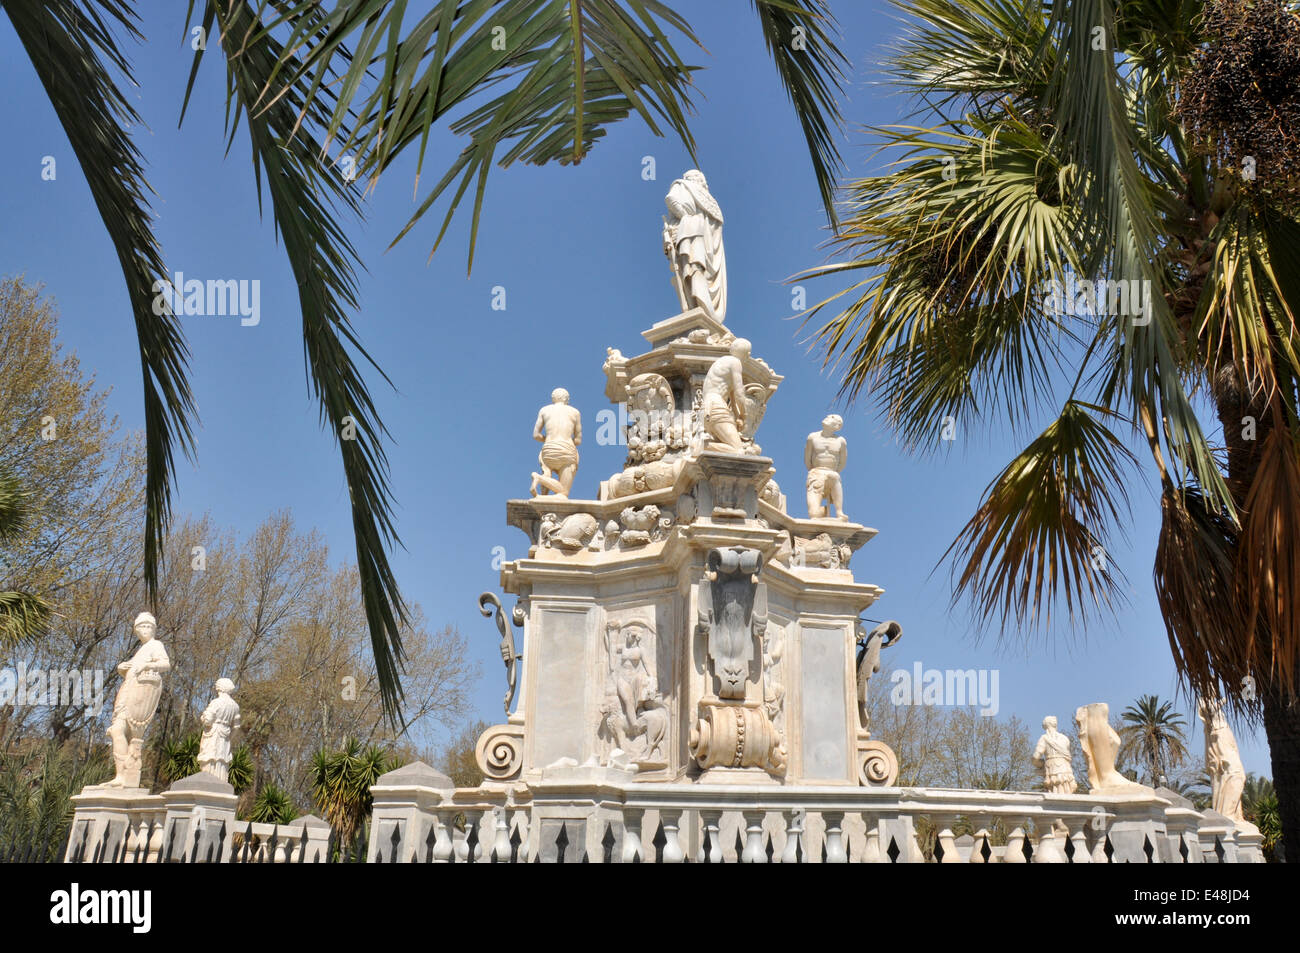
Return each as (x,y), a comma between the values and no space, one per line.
(571,822)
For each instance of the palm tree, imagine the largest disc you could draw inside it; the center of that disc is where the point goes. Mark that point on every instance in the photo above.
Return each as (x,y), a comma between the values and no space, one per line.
(1152,734)
(23,615)
(300,77)
(1142,144)
(341,782)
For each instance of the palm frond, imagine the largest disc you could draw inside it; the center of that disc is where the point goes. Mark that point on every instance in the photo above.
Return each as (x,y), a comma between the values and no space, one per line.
(972,50)
(73,50)
(800,38)
(305,193)
(569,69)
(1195,589)
(24,616)
(958,238)
(1039,536)
(1120,222)
(1268,562)
(1248,311)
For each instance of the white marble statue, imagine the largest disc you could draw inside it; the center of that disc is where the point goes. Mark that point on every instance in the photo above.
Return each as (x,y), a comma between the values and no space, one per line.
(559,430)
(723,410)
(825,455)
(1222,761)
(1052,756)
(136,702)
(693,244)
(1100,744)
(219,719)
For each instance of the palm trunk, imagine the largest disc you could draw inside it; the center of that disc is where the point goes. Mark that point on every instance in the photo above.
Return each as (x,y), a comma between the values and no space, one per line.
(1280,708)
(1282,727)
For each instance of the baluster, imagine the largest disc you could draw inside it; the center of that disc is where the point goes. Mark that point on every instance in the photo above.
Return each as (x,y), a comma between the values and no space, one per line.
(981,843)
(1079,838)
(948,842)
(633,818)
(501,844)
(794,837)
(1015,850)
(753,853)
(871,852)
(711,849)
(835,853)
(1099,849)
(445,834)
(671,820)
(1049,851)
(519,836)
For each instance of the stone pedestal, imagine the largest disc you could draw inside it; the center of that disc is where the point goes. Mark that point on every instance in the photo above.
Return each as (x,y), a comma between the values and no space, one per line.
(1137,825)
(403,820)
(113,824)
(1218,838)
(200,819)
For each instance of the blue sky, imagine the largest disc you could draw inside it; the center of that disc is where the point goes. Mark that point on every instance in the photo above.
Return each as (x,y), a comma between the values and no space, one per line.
(577,251)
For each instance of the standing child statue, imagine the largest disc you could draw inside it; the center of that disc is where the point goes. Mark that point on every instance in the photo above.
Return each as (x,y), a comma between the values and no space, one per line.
(220,719)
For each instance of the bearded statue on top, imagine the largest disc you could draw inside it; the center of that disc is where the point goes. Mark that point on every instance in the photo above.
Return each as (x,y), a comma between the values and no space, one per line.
(693,244)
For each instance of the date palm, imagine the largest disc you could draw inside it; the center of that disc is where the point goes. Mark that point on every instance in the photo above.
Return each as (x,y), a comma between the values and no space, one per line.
(23,615)
(534,81)
(1152,734)
(1151,142)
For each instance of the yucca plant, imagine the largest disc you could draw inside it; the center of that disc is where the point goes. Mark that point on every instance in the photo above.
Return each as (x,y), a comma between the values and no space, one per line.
(242,773)
(534,81)
(272,806)
(1150,146)
(341,781)
(179,757)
